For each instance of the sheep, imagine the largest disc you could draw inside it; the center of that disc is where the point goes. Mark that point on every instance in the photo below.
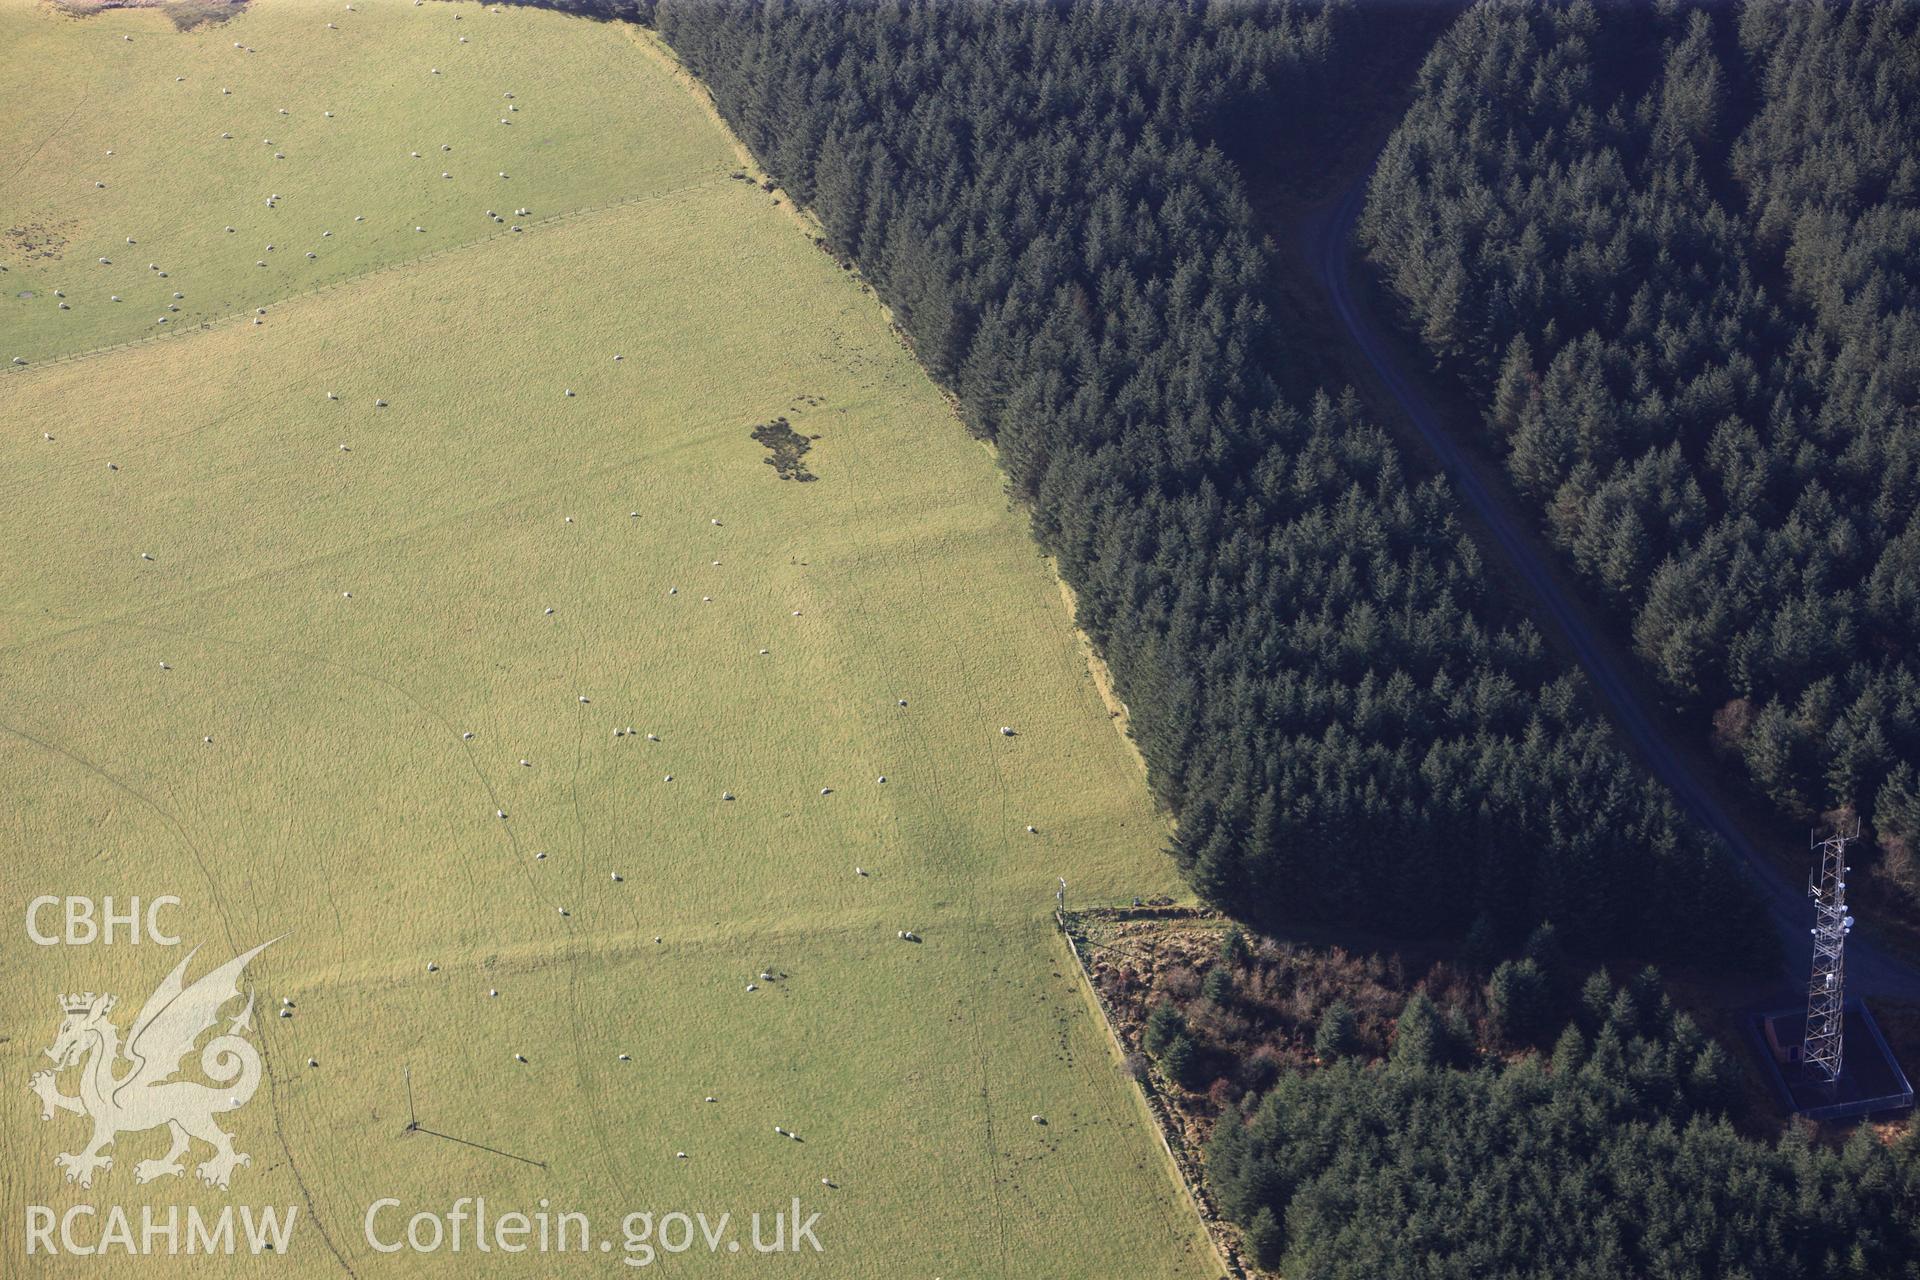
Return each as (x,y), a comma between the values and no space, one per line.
(1033,830)
(313,1062)
(680,1155)
(1006,731)
(432,967)
(726,795)
(826,791)
(903,702)
(882,779)
(585,698)
(711,1098)
(526,764)
(519,1057)
(565,912)
(653,737)
(144,555)
(467,737)
(165,667)
(626,1057)
(286,1013)
(549,610)
(1039,1119)
(493,993)
(668,778)
(569,393)
(541,856)
(751,987)
(500,814)
(860,871)
(617,877)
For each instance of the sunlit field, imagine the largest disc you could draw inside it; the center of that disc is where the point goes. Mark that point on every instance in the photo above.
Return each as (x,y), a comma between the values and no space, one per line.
(422,600)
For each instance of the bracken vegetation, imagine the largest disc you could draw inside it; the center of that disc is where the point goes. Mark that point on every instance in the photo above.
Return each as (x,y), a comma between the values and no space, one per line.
(1676,254)
(1380,1116)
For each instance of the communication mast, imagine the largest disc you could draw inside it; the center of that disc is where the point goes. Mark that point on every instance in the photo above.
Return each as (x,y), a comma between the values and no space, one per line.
(1820,1052)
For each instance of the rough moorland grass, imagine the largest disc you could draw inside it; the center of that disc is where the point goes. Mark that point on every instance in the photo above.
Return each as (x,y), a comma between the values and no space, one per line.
(338,803)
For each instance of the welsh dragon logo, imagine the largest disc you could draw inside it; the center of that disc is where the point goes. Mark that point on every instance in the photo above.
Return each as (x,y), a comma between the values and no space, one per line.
(144,1095)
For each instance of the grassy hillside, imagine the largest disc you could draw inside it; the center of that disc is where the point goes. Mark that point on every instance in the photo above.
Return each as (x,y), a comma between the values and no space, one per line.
(340,591)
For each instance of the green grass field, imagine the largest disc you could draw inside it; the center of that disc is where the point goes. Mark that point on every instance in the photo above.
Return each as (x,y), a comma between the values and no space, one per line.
(338,592)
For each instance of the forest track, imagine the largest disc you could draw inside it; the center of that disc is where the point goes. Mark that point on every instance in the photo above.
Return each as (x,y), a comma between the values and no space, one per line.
(1325,238)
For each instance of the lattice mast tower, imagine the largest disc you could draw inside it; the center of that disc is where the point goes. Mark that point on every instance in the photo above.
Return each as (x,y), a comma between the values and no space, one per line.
(1821,1051)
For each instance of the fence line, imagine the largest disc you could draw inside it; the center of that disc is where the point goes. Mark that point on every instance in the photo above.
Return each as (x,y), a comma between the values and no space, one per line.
(1186,1165)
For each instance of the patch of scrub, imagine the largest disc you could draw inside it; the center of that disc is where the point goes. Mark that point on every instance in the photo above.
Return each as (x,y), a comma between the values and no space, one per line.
(788,448)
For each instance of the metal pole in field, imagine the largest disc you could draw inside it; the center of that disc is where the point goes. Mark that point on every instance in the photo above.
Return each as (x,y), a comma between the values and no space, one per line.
(1822,1049)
